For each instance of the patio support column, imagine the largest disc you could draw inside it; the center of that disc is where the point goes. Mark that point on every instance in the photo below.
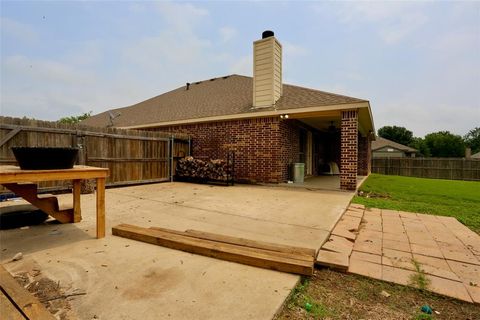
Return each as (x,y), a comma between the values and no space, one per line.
(364,155)
(349,150)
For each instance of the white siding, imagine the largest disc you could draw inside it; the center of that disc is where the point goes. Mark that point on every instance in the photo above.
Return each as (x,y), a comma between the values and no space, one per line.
(267,72)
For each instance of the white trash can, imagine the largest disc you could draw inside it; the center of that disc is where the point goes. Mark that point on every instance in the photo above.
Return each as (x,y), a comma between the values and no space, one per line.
(298,172)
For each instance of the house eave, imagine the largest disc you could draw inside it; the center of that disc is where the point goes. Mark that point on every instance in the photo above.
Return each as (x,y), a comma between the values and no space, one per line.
(256,114)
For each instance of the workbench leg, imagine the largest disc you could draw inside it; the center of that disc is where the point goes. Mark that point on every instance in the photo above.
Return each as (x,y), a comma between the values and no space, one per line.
(77,211)
(100,208)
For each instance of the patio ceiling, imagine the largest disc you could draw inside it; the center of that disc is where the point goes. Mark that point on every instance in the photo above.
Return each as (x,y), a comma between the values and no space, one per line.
(322,120)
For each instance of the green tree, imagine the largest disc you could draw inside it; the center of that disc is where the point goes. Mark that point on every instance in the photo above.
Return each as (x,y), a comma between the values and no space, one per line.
(445,144)
(398,134)
(472,139)
(421,146)
(75,119)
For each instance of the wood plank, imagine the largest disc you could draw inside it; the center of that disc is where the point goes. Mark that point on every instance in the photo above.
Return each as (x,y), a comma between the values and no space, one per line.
(46,203)
(100,208)
(8,310)
(77,211)
(223,251)
(13,174)
(218,239)
(24,300)
(247,242)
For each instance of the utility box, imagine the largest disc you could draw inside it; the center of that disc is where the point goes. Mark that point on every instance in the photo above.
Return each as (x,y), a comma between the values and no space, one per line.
(298,172)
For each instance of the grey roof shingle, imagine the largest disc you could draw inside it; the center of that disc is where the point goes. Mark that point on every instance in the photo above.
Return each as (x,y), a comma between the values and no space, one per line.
(380,142)
(223,96)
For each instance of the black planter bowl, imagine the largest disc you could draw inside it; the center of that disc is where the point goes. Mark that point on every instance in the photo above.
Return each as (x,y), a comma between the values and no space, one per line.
(45,158)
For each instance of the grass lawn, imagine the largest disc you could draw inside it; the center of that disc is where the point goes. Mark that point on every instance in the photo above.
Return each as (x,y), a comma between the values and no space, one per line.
(459,199)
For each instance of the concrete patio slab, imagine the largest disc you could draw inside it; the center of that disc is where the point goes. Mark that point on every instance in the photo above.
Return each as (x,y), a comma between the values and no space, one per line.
(125,279)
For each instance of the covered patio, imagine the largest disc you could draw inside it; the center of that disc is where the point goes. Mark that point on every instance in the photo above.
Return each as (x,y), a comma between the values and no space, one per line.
(335,147)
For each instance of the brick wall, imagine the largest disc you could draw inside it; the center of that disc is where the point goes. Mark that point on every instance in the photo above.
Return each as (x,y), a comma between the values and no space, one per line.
(289,147)
(349,150)
(266,147)
(259,145)
(364,155)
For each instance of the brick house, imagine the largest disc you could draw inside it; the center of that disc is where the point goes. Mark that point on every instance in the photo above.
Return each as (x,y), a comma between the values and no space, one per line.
(269,125)
(384,148)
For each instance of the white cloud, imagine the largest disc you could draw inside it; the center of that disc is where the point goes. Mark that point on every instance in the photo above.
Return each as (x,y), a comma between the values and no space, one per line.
(181,16)
(46,89)
(227,33)
(293,50)
(18,31)
(394,21)
(76,81)
(177,53)
(137,7)
(243,66)
(402,27)
(165,50)
(45,70)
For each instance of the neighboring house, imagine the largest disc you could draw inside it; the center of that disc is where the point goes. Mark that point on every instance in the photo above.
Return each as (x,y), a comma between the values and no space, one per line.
(384,148)
(269,125)
(476,156)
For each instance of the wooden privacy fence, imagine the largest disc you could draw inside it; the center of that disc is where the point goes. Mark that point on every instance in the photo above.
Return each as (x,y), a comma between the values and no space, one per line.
(132,156)
(436,168)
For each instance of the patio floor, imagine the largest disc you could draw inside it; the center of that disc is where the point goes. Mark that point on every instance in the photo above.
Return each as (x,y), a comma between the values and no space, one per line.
(125,279)
(401,247)
(321,183)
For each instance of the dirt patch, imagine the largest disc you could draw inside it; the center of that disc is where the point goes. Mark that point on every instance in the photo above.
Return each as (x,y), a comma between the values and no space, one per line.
(333,295)
(49,293)
(373,195)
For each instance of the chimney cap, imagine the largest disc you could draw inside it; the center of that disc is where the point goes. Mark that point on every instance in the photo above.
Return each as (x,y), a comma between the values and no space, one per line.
(267,33)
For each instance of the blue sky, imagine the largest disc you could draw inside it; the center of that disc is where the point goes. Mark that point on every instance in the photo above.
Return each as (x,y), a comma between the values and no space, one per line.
(417,62)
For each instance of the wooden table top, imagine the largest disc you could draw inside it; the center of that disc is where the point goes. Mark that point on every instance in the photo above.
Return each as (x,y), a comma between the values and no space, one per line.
(11,174)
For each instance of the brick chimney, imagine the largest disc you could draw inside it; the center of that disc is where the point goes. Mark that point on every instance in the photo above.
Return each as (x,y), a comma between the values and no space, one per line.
(468,153)
(267,71)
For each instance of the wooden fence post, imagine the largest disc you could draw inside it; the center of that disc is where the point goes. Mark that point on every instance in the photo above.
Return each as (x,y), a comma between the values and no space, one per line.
(172,159)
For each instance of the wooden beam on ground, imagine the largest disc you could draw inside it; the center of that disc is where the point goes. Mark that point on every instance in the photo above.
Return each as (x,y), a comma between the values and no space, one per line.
(246,242)
(8,309)
(279,261)
(21,299)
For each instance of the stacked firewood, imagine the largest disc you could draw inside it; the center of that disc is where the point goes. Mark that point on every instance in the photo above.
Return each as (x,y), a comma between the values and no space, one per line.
(189,167)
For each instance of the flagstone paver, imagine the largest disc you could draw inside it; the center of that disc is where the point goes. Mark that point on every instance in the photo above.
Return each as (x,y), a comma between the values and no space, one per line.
(399,259)
(474,292)
(397,275)
(426,251)
(397,245)
(390,245)
(365,268)
(338,244)
(449,288)
(375,258)
(336,260)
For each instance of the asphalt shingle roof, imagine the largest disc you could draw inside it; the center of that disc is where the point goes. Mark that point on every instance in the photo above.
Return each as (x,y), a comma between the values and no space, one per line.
(382,143)
(222,96)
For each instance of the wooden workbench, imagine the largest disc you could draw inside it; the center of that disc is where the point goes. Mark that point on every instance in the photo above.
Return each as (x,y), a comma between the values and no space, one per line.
(13,177)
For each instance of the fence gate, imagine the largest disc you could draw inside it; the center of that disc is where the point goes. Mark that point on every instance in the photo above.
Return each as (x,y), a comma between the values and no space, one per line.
(132,156)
